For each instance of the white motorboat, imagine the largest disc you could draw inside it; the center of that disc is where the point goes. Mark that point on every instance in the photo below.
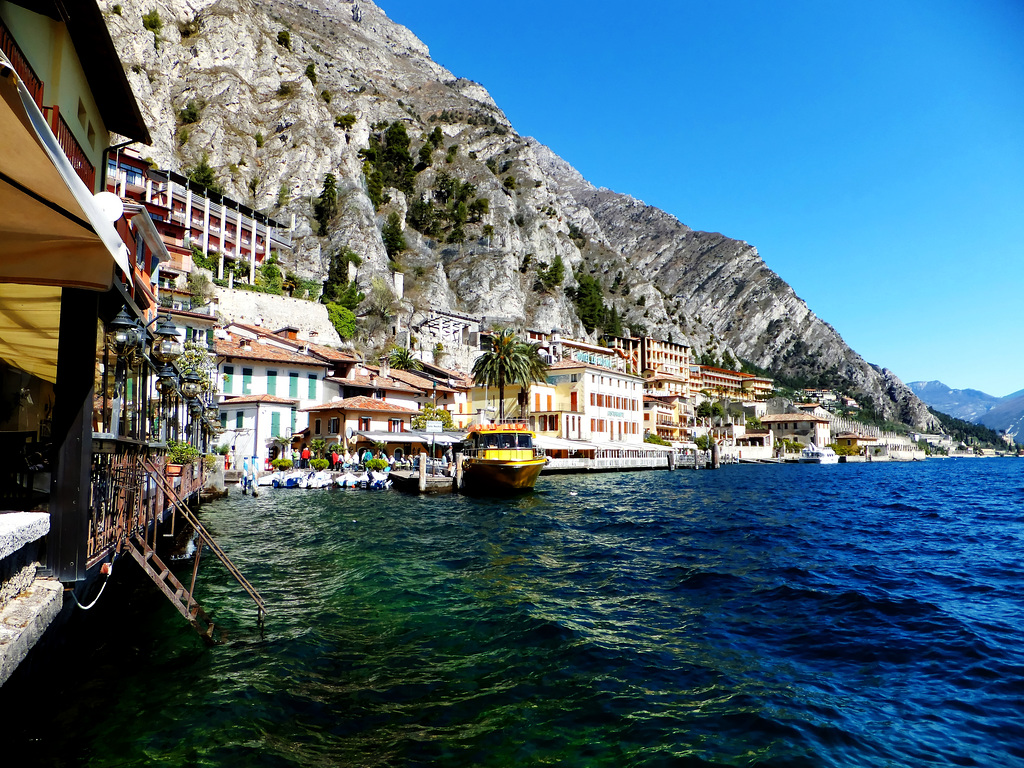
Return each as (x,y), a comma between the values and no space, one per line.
(812,454)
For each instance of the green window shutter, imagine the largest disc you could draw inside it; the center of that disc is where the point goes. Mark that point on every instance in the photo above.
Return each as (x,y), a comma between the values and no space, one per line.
(293,420)
(271,382)
(293,384)
(312,386)
(275,424)
(223,419)
(209,338)
(238,419)
(247,381)
(229,376)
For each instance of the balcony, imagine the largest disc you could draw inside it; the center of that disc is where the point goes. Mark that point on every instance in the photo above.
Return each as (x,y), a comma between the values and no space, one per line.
(13,52)
(72,149)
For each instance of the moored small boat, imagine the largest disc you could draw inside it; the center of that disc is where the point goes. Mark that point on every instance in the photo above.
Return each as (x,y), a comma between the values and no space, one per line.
(500,458)
(812,454)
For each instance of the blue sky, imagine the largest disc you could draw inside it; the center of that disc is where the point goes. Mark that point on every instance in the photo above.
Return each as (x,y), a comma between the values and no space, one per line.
(872,152)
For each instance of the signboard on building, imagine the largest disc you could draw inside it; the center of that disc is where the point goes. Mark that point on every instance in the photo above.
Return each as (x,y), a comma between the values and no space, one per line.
(432,426)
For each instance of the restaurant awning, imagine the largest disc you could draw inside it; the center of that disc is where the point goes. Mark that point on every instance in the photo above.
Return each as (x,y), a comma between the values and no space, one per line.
(391,437)
(441,438)
(561,444)
(52,230)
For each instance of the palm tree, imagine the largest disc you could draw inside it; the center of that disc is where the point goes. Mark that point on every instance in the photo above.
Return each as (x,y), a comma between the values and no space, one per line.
(509,361)
(401,359)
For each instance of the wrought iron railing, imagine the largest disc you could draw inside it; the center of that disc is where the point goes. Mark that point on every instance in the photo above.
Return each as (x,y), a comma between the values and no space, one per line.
(125,501)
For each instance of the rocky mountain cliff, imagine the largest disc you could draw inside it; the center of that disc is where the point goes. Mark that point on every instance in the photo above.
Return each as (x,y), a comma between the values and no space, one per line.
(284,93)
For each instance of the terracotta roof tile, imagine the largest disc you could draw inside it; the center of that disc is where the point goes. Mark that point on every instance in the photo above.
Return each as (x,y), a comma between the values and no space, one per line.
(377,382)
(412,379)
(360,403)
(265,352)
(252,399)
(320,350)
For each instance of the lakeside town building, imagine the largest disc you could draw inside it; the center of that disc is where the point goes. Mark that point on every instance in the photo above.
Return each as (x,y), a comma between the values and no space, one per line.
(188,214)
(359,423)
(264,385)
(799,428)
(588,395)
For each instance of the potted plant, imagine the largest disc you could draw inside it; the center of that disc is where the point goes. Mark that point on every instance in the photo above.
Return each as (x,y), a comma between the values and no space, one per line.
(179,453)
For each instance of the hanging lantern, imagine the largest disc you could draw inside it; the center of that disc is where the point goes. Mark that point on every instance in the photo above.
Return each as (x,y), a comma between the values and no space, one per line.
(167,380)
(123,335)
(192,385)
(166,347)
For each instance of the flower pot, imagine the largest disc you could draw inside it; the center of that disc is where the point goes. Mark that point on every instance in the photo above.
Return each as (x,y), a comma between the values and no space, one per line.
(174,470)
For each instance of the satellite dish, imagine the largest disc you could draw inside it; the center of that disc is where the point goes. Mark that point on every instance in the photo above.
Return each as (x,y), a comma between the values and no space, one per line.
(110,205)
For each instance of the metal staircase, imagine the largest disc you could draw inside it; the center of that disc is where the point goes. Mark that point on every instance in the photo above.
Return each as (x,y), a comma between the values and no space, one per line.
(184,599)
(174,590)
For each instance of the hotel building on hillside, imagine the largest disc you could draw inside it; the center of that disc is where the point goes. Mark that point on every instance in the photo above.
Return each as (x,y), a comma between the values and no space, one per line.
(732,384)
(648,356)
(189,214)
(665,366)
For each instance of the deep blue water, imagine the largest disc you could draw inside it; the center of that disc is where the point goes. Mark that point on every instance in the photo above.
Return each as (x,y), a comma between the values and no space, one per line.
(852,615)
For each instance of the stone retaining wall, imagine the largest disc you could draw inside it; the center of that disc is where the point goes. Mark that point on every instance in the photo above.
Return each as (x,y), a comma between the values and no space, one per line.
(274,312)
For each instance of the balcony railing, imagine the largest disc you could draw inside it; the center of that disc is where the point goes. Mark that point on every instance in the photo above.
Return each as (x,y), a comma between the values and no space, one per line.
(13,52)
(124,502)
(72,149)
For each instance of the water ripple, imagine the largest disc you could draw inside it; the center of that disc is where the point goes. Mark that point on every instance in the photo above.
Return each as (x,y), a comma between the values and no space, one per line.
(751,616)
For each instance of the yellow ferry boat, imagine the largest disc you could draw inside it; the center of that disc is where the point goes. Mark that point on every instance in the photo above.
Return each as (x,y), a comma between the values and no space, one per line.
(500,458)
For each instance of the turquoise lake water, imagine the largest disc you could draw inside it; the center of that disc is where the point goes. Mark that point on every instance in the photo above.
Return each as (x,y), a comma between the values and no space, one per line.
(849,615)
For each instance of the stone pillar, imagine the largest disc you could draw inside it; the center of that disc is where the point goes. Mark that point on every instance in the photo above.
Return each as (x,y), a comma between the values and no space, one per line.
(423,472)
(223,223)
(206,225)
(252,237)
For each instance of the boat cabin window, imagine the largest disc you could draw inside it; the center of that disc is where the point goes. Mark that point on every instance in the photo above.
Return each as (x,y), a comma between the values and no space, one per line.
(504,440)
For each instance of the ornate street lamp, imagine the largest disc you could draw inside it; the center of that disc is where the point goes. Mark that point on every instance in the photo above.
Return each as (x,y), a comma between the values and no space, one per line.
(212,413)
(191,386)
(167,380)
(166,347)
(123,336)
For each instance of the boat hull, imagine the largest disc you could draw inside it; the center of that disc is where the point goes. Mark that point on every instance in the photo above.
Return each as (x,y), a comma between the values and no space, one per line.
(501,475)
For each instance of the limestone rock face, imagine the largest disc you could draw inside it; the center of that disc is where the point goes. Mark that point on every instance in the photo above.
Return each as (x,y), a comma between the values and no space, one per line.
(273,134)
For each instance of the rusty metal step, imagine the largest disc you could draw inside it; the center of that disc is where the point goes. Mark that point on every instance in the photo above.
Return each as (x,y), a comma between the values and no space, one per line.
(173,589)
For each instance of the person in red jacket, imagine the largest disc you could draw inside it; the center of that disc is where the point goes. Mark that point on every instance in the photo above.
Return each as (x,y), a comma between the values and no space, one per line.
(305,457)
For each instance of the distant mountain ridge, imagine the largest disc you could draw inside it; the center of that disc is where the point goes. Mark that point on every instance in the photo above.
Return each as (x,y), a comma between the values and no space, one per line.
(1000,413)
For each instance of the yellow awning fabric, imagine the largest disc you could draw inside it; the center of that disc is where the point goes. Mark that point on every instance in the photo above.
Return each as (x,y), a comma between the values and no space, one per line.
(29,327)
(51,231)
